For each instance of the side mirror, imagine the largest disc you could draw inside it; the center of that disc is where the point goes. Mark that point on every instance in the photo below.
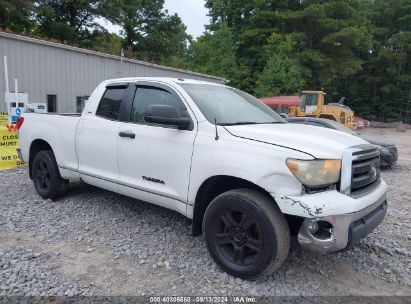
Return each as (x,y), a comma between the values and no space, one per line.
(166,115)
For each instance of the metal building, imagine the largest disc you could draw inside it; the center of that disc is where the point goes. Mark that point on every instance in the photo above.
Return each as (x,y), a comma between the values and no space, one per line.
(63,76)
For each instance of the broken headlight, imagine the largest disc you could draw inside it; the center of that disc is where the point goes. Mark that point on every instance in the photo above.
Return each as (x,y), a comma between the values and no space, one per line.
(384,149)
(315,173)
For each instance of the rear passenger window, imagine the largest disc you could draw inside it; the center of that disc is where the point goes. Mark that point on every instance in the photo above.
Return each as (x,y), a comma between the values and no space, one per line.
(110,104)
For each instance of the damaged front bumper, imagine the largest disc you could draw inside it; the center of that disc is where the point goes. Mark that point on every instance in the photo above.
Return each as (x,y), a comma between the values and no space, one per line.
(334,221)
(339,232)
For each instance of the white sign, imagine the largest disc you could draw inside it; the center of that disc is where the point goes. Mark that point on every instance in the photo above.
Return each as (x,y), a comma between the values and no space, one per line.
(36,107)
(11,97)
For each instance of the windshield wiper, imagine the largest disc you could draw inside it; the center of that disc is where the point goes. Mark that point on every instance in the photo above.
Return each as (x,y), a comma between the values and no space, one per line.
(239,123)
(272,123)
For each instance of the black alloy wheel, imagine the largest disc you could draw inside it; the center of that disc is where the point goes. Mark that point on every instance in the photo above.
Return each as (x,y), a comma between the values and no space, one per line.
(238,237)
(46,176)
(43,175)
(246,233)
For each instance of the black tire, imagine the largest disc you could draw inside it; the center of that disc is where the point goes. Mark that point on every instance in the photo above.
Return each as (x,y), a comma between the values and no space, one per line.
(246,233)
(46,176)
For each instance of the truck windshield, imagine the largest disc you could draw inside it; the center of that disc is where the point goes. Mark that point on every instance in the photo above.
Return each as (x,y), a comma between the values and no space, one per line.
(229,106)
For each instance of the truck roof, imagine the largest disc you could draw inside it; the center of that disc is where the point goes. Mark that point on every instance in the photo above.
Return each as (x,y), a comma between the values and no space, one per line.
(161,79)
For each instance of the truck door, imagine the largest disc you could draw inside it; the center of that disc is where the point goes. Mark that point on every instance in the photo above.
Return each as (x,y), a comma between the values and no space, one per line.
(97,139)
(155,160)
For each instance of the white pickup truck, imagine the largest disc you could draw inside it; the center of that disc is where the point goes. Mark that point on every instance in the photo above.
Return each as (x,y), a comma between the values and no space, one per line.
(218,156)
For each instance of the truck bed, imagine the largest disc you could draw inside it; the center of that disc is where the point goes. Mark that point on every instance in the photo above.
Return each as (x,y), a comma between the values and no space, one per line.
(58,130)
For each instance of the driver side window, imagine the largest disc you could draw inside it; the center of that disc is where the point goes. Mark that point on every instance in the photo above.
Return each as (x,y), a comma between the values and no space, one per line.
(147,96)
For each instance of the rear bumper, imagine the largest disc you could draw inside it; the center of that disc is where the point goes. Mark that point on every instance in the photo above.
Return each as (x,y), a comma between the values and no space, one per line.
(340,232)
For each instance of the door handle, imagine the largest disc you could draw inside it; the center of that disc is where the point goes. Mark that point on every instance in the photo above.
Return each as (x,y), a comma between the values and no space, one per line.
(128,134)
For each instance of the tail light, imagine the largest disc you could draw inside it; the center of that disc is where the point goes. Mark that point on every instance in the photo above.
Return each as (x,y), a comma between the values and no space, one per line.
(19,122)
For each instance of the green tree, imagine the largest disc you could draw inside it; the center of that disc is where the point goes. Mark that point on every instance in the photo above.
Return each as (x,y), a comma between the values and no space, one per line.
(15,15)
(152,33)
(137,17)
(73,22)
(331,37)
(109,43)
(282,74)
(215,54)
(387,74)
(251,22)
(165,43)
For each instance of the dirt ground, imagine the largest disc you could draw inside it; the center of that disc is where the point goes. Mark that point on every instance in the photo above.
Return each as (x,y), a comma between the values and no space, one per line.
(402,141)
(93,242)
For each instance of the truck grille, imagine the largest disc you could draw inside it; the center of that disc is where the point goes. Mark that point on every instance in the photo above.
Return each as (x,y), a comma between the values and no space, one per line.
(365,170)
(360,169)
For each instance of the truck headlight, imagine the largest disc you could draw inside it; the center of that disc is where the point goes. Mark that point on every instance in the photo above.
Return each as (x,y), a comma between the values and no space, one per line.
(384,149)
(315,173)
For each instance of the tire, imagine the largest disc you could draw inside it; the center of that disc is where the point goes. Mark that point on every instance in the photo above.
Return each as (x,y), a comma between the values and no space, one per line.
(46,176)
(246,233)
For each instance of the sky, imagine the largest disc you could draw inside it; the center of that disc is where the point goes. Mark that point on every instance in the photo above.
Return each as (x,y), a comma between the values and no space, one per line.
(192,12)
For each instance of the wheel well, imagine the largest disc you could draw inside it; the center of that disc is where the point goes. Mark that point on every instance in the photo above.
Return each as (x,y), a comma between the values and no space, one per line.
(210,189)
(37,146)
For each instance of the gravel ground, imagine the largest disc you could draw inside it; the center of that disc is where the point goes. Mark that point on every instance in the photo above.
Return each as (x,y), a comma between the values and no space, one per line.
(93,242)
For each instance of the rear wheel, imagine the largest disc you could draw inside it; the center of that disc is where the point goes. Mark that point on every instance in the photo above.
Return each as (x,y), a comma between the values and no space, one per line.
(246,233)
(46,176)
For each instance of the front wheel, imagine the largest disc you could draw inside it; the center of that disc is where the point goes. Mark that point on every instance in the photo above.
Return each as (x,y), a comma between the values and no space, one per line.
(246,233)
(46,176)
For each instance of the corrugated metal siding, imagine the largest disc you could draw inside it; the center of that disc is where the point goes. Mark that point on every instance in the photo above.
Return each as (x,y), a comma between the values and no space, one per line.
(44,68)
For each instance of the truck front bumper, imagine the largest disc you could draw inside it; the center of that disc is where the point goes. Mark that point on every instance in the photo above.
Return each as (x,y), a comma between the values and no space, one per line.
(339,232)
(341,220)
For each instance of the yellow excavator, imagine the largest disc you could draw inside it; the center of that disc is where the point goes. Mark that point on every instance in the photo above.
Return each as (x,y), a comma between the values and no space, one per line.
(312,105)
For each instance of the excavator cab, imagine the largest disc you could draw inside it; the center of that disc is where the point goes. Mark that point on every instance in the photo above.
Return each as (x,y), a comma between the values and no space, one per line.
(312,104)
(309,103)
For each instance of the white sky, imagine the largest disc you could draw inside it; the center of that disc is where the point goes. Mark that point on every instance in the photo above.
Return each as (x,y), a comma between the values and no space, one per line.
(192,12)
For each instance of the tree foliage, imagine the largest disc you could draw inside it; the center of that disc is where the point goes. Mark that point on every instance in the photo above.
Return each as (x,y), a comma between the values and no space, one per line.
(148,31)
(282,74)
(215,54)
(360,49)
(151,32)
(16,15)
(69,21)
(354,48)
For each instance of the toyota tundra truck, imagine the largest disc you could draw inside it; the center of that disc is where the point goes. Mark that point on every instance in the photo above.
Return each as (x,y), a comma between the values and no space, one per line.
(246,178)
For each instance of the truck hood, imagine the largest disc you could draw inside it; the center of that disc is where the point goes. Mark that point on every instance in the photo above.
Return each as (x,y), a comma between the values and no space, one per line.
(319,142)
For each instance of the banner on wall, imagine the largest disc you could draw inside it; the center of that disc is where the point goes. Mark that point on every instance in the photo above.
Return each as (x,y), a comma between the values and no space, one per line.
(4,119)
(8,147)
